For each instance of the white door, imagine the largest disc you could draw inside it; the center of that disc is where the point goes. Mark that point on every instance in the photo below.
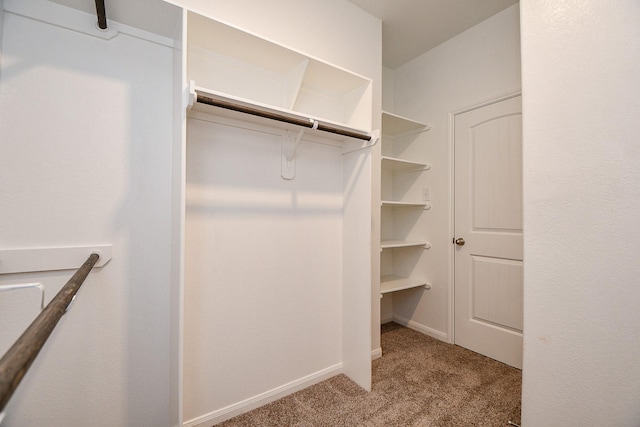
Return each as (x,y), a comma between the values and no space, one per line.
(488,230)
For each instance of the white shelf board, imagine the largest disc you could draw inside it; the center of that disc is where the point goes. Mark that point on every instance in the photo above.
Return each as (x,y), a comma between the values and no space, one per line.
(393,124)
(394,163)
(389,244)
(242,46)
(393,283)
(51,258)
(407,204)
(231,42)
(233,61)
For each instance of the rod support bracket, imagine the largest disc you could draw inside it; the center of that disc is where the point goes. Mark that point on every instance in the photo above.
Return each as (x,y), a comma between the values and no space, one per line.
(289,149)
(373,140)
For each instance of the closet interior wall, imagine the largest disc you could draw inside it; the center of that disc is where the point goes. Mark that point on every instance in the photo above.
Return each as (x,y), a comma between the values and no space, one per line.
(262,263)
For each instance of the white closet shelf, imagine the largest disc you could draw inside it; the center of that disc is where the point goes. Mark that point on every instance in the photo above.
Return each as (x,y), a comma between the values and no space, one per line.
(394,163)
(393,283)
(393,203)
(207,100)
(390,244)
(393,124)
(236,62)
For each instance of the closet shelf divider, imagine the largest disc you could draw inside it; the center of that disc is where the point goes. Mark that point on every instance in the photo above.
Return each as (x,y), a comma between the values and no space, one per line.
(294,82)
(397,164)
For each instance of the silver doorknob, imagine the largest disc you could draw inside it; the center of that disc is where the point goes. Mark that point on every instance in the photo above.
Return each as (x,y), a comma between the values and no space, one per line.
(460,241)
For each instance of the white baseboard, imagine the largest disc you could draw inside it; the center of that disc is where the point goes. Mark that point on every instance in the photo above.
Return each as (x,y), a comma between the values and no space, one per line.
(376,354)
(421,328)
(386,320)
(226,413)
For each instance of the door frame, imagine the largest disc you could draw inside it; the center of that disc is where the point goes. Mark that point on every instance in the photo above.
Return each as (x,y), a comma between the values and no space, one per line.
(452,200)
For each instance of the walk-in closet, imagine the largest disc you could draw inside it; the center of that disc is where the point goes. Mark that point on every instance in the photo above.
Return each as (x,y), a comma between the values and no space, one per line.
(250,189)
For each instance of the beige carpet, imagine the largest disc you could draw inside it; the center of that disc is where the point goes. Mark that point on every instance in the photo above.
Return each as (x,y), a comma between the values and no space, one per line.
(419,381)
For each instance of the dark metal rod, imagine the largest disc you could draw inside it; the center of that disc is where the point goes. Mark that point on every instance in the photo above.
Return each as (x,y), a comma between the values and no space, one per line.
(344,132)
(254,111)
(304,122)
(17,360)
(102,14)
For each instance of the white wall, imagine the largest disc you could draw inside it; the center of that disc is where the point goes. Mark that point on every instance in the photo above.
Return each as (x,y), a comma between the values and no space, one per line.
(477,65)
(581,80)
(263,265)
(85,158)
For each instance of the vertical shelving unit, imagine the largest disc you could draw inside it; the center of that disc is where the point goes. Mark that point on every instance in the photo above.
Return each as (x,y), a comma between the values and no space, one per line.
(403,202)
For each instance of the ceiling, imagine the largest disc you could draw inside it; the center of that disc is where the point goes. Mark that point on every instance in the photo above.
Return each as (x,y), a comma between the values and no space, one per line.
(412,27)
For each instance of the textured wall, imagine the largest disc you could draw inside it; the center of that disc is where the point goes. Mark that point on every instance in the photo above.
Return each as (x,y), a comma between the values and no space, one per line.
(581,80)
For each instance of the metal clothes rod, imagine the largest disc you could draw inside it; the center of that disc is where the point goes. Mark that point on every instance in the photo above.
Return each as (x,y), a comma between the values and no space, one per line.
(344,132)
(102,14)
(282,117)
(17,360)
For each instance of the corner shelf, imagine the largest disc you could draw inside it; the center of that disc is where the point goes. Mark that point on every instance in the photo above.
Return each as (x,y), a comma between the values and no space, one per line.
(394,124)
(392,283)
(396,164)
(391,244)
(393,203)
